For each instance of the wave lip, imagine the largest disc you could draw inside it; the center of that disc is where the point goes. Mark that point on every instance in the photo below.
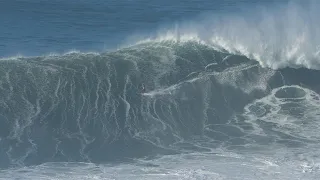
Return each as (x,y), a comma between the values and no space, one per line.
(278,37)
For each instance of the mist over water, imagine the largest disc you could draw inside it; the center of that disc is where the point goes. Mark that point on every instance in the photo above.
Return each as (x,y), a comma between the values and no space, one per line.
(287,37)
(279,36)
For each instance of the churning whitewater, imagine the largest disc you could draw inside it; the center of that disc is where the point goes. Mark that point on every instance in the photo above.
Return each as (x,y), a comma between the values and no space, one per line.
(240,102)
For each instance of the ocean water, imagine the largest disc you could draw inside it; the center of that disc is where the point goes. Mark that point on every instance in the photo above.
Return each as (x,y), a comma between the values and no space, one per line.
(159,89)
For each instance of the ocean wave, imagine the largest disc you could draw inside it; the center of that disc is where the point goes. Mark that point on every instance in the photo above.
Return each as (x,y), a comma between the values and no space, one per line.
(78,106)
(189,89)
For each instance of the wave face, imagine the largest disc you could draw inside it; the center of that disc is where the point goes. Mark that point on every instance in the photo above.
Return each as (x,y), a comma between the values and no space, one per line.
(90,107)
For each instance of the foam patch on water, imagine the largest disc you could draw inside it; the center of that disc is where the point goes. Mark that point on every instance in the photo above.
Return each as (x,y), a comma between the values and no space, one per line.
(219,166)
(293,110)
(240,77)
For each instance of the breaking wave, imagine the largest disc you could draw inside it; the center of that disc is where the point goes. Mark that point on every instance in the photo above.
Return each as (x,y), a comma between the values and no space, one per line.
(247,84)
(286,35)
(91,107)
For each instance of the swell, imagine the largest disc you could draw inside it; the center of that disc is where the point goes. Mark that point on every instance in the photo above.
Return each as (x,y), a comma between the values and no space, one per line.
(90,107)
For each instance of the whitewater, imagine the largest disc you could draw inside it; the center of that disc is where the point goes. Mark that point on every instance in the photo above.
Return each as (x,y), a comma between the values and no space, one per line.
(227,96)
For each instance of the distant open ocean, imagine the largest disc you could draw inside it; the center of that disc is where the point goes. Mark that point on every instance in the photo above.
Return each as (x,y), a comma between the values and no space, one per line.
(159,90)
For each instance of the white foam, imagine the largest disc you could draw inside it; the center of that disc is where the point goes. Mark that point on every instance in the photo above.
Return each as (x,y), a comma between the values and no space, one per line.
(190,166)
(296,115)
(276,37)
(236,77)
(173,37)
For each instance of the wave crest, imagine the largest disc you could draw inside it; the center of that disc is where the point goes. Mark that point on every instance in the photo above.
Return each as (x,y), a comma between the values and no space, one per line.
(284,36)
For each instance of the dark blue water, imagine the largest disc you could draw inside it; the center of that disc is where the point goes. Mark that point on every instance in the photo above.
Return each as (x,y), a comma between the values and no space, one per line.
(159,89)
(32,27)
